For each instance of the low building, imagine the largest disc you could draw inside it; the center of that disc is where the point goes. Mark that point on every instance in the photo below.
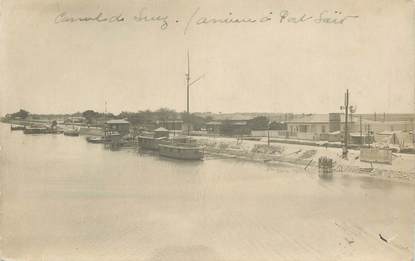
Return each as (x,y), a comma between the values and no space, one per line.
(214,127)
(316,126)
(75,120)
(228,127)
(161,132)
(356,138)
(120,125)
(172,125)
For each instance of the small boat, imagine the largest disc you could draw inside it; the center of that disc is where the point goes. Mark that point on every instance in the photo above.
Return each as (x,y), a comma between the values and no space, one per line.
(181,148)
(17,127)
(181,151)
(253,138)
(99,139)
(110,137)
(35,130)
(71,132)
(149,142)
(42,129)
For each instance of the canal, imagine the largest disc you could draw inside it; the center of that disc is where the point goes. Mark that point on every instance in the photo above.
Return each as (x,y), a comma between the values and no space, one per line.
(65,199)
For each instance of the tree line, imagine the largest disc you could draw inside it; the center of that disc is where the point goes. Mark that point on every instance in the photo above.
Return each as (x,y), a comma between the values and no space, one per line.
(161,115)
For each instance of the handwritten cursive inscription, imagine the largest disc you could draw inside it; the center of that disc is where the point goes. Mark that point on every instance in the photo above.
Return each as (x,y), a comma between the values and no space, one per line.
(324,17)
(198,19)
(229,19)
(142,17)
(99,18)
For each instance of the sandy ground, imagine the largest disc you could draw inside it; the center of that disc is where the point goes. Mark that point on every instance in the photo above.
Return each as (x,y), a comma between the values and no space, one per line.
(402,167)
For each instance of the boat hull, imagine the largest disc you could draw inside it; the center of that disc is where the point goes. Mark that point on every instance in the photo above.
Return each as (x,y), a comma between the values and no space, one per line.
(40,131)
(181,152)
(96,140)
(14,128)
(73,134)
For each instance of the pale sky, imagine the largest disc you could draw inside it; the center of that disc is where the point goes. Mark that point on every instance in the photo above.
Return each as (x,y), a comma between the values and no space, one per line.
(49,67)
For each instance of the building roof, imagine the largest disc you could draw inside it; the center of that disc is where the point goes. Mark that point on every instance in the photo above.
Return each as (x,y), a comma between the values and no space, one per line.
(161,129)
(233,117)
(118,121)
(214,123)
(316,118)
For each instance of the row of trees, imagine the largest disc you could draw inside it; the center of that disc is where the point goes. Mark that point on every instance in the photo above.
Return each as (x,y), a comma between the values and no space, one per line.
(21,114)
(161,115)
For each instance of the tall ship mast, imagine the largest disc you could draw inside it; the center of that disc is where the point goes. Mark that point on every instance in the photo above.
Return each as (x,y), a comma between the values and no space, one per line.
(188,84)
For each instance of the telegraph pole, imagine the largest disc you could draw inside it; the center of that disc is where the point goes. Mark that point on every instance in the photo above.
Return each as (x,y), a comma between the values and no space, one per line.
(360,125)
(188,81)
(346,130)
(188,86)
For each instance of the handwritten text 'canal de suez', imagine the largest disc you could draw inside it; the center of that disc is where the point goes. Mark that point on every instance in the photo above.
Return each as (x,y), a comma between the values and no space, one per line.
(196,19)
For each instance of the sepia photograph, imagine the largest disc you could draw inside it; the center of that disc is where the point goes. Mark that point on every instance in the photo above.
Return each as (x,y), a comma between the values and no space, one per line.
(207,130)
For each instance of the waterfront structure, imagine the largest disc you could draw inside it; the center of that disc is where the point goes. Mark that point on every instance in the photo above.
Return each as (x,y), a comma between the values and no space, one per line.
(120,125)
(172,125)
(75,120)
(230,125)
(152,140)
(316,126)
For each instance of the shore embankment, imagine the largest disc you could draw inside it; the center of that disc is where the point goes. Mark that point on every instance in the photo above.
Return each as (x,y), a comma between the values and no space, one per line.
(402,167)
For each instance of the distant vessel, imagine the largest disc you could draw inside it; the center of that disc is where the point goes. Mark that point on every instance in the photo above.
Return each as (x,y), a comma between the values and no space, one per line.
(183,148)
(17,127)
(110,137)
(71,132)
(40,130)
(99,139)
(151,140)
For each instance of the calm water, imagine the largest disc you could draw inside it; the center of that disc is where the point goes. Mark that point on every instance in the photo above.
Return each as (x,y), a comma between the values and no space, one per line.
(65,199)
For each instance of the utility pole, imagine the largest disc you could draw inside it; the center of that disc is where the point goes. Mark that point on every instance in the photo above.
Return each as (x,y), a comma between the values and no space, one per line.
(188,81)
(369,134)
(188,86)
(269,127)
(361,136)
(346,130)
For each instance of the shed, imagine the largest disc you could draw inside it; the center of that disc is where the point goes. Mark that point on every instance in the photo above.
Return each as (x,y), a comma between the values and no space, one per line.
(120,125)
(161,132)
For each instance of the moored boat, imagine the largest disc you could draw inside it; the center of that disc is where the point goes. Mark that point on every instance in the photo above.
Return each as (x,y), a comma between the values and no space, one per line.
(99,139)
(40,130)
(151,140)
(181,147)
(183,151)
(110,137)
(71,132)
(17,127)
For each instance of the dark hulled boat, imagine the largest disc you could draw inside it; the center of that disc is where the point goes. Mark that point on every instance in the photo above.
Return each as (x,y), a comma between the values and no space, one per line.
(183,151)
(149,142)
(40,130)
(71,132)
(17,127)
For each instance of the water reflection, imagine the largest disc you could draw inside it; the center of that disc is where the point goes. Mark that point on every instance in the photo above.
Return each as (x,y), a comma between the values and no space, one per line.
(185,253)
(66,199)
